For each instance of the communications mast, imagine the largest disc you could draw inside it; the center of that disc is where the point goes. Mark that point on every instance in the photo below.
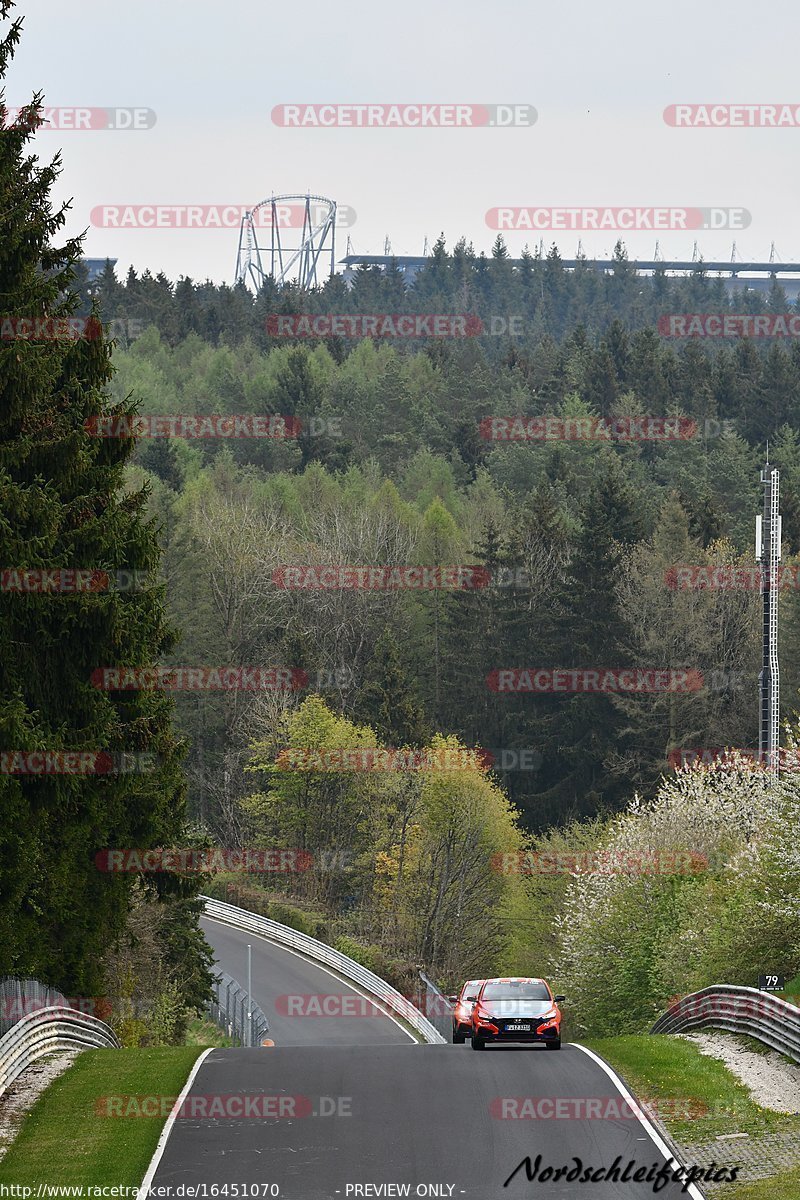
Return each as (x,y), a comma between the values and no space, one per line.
(768,553)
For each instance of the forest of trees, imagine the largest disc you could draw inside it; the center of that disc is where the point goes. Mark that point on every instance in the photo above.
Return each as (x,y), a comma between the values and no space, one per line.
(575,544)
(578,537)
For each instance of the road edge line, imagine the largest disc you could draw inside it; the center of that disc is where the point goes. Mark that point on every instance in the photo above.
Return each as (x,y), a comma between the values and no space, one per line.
(661,1145)
(170,1121)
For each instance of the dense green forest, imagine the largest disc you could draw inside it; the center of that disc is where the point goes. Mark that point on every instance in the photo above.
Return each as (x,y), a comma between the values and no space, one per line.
(579,540)
(572,546)
(391,466)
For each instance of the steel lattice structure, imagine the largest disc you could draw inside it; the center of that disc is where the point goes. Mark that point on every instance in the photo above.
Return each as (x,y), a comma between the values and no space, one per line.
(768,553)
(316,233)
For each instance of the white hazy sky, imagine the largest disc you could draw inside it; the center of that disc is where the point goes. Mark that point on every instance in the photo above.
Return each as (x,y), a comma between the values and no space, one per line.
(599,76)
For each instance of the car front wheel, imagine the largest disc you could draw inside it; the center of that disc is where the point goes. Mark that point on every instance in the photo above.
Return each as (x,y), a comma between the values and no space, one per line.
(477,1043)
(459,1037)
(554,1045)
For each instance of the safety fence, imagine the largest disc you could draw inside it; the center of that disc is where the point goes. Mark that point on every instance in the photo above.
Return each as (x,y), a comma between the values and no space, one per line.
(236,1013)
(21,997)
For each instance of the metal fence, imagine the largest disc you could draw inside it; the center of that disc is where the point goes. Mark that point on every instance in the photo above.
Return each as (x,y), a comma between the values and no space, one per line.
(230,1008)
(21,997)
(436,1007)
(744,1010)
(318,951)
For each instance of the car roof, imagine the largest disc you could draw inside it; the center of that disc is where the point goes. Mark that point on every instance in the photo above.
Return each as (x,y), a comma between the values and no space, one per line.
(515,979)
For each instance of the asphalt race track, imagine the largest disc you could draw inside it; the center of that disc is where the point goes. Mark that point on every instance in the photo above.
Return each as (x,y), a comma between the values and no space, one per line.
(347,1102)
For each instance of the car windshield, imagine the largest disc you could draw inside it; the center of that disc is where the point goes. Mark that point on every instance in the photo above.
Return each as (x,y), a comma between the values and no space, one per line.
(515,991)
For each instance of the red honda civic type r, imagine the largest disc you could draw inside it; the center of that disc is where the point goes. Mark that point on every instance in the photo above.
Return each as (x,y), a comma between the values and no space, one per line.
(516,1009)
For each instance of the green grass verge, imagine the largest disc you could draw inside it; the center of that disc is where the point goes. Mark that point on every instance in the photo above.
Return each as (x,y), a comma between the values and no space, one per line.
(671,1069)
(64,1141)
(202,1032)
(785,1186)
(701,1098)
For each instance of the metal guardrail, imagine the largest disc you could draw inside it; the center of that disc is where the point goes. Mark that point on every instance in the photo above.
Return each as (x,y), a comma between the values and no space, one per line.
(319,952)
(45,1032)
(759,1015)
(436,1007)
(230,1007)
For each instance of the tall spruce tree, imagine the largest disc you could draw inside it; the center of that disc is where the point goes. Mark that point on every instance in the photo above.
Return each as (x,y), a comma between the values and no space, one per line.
(581,731)
(386,700)
(63,506)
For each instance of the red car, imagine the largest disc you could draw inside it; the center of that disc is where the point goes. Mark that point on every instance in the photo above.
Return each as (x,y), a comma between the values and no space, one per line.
(516,1009)
(462,1013)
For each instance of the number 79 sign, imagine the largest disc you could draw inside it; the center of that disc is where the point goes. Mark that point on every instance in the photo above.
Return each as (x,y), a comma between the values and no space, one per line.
(771,983)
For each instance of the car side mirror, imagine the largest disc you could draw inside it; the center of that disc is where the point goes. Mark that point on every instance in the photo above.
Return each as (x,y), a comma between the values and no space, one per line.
(471,999)
(558,999)
(452,999)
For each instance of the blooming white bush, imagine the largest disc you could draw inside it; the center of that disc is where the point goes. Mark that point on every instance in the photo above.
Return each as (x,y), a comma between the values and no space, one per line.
(701,885)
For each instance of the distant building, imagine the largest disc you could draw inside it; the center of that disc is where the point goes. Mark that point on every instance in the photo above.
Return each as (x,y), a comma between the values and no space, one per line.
(95,267)
(758,276)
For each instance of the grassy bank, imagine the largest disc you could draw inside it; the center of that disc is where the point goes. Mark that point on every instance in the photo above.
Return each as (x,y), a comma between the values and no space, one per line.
(697,1098)
(65,1139)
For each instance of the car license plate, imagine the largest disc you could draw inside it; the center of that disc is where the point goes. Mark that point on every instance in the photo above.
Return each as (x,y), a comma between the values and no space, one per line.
(518,1028)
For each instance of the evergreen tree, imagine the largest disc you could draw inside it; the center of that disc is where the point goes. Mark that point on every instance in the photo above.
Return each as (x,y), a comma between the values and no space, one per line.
(581,731)
(387,701)
(63,507)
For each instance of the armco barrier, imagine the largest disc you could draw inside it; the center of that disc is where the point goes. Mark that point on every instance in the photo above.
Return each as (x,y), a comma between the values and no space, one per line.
(391,999)
(437,1006)
(745,1010)
(45,1032)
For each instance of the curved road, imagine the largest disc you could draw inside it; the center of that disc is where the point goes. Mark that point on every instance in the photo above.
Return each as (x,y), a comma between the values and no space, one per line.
(278,973)
(352,1107)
